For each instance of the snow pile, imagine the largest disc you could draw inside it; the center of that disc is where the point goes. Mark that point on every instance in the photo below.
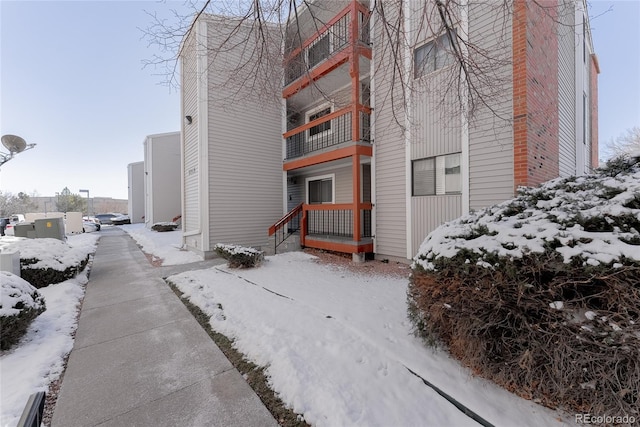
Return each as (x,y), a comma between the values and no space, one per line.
(166,245)
(49,253)
(588,220)
(38,359)
(15,292)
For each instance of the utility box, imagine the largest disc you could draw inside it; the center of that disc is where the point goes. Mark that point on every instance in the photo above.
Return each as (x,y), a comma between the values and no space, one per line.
(25,229)
(10,261)
(50,228)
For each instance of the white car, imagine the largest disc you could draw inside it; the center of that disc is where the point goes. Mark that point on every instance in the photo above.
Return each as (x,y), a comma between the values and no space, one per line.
(89,226)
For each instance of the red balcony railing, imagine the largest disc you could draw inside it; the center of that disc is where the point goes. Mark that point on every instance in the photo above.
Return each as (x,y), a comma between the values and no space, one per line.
(328,41)
(336,220)
(328,131)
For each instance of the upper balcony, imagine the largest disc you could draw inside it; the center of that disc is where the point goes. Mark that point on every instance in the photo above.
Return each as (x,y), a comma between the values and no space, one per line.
(342,39)
(327,133)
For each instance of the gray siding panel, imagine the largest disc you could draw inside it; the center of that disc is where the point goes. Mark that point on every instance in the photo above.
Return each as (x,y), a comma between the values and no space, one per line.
(566,88)
(245,150)
(389,152)
(491,177)
(436,120)
(429,212)
(189,91)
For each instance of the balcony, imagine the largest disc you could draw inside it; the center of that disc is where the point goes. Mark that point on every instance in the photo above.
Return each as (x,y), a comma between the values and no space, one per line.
(331,227)
(329,131)
(327,48)
(336,221)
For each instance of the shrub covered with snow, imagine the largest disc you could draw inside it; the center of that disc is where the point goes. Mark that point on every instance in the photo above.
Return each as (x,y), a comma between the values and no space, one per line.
(47,261)
(164,226)
(20,303)
(239,256)
(542,293)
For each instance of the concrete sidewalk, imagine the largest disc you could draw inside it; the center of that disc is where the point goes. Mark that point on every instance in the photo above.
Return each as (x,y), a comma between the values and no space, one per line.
(141,359)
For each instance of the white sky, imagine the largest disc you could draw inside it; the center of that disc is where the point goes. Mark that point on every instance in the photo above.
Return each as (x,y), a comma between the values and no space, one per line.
(72,82)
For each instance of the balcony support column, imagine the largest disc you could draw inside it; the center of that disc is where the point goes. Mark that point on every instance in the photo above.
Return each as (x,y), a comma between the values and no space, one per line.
(357,203)
(354,71)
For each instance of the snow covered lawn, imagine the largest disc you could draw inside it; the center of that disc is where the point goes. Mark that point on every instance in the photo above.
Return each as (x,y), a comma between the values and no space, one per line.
(38,359)
(338,346)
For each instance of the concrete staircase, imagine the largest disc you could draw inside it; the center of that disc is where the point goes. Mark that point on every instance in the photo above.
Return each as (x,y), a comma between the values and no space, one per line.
(292,243)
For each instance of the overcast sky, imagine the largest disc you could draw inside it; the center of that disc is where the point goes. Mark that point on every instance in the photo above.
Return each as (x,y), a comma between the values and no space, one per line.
(72,82)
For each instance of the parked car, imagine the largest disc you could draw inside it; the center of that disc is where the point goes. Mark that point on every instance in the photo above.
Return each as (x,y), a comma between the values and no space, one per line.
(13,220)
(89,226)
(120,220)
(92,219)
(105,218)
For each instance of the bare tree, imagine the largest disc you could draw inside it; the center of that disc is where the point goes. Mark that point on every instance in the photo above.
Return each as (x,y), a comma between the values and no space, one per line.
(477,79)
(16,204)
(626,143)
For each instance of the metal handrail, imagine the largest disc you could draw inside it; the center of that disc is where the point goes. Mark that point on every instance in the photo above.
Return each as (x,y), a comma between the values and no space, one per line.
(33,410)
(293,217)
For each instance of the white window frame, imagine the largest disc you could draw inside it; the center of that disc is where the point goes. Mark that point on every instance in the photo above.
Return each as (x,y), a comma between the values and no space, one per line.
(311,112)
(436,43)
(439,176)
(331,176)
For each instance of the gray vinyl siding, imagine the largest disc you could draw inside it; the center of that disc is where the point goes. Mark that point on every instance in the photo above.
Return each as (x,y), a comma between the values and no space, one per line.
(312,18)
(389,154)
(164,177)
(435,131)
(432,211)
(295,192)
(343,185)
(245,157)
(436,120)
(136,192)
(566,88)
(491,165)
(189,91)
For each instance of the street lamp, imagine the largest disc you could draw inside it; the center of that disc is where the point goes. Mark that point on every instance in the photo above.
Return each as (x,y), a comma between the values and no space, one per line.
(15,145)
(86,191)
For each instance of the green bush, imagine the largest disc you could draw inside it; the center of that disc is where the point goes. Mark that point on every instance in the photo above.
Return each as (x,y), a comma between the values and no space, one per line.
(239,256)
(19,305)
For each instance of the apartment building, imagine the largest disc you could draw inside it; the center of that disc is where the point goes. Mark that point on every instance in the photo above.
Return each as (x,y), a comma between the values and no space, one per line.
(161,178)
(389,129)
(231,151)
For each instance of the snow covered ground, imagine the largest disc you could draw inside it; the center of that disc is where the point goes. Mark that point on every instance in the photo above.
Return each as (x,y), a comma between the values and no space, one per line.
(38,359)
(338,346)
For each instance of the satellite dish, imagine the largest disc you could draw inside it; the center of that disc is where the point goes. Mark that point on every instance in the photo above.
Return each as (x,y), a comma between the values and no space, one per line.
(14,143)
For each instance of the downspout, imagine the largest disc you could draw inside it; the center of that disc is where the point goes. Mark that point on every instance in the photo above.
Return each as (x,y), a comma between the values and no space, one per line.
(464,99)
(407,146)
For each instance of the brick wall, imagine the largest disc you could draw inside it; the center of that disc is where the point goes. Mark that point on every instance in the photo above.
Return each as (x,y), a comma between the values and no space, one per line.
(519,40)
(535,76)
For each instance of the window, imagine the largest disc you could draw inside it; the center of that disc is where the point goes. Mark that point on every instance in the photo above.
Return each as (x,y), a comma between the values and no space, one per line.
(437,175)
(322,127)
(320,190)
(432,56)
